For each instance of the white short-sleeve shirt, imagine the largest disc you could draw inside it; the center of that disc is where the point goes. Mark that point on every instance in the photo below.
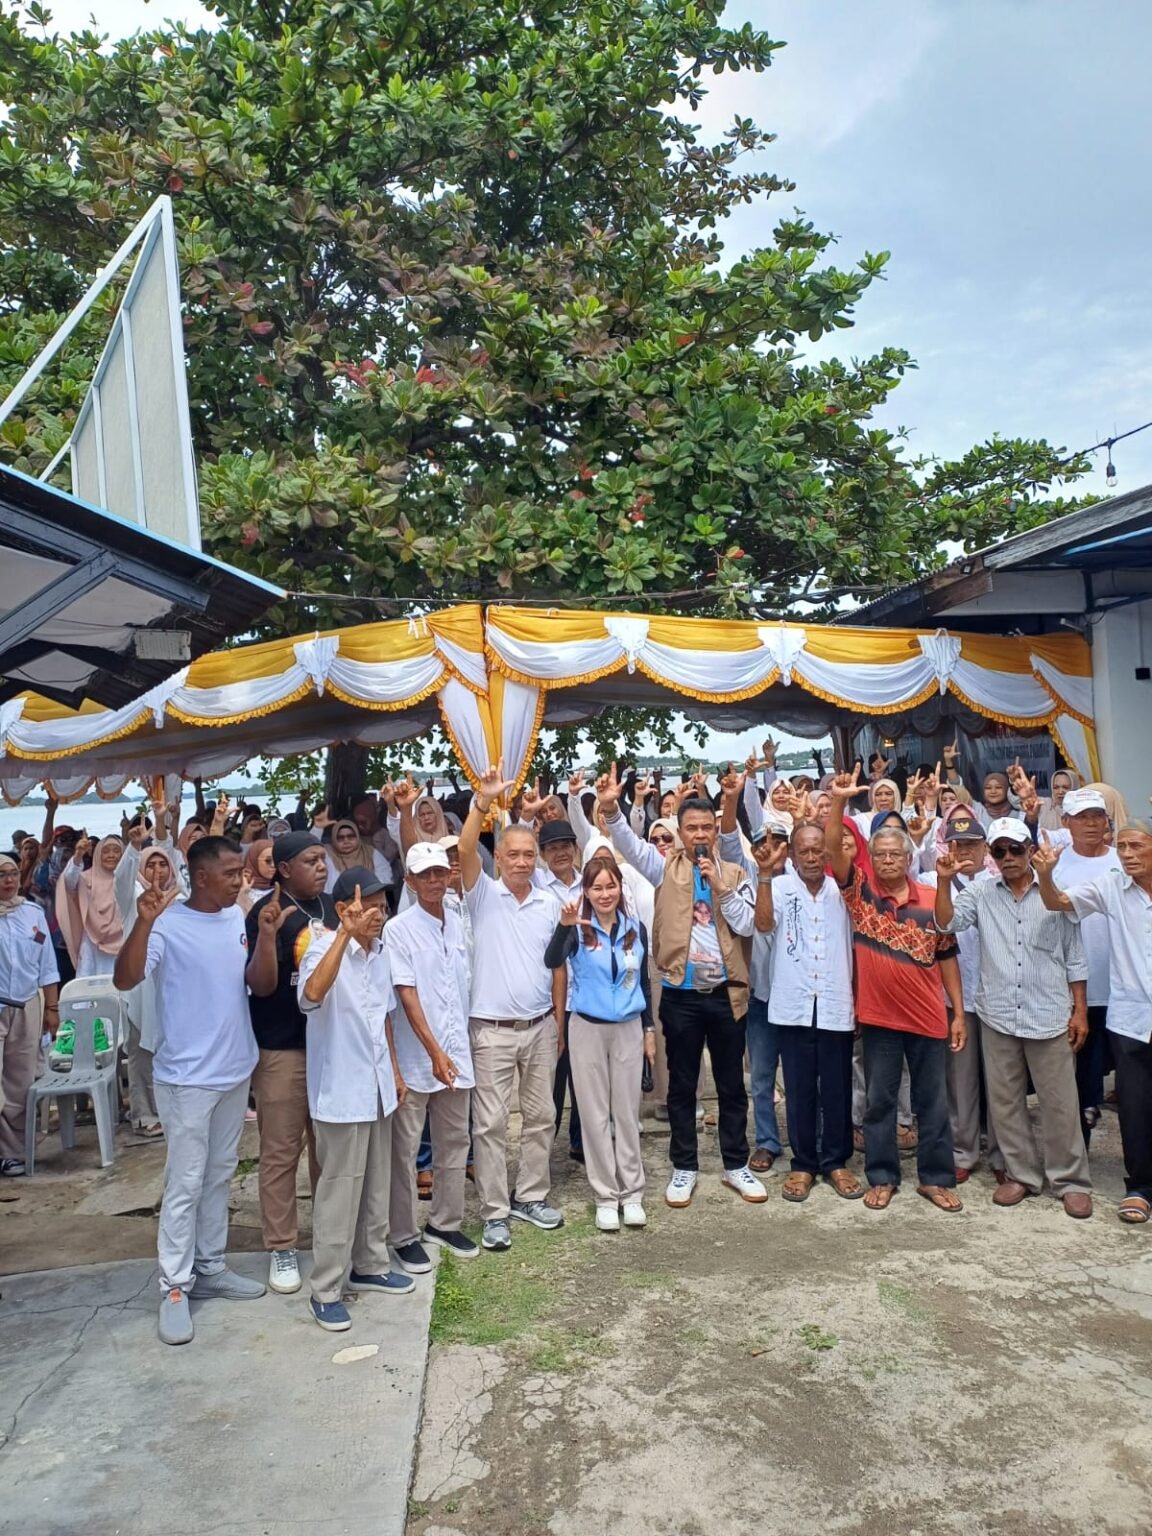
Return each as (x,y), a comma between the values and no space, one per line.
(509,977)
(204,1033)
(432,957)
(350,1071)
(27,959)
(1128,908)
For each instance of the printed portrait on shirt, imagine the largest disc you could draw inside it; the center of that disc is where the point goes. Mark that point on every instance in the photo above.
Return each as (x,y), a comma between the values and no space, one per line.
(704,942)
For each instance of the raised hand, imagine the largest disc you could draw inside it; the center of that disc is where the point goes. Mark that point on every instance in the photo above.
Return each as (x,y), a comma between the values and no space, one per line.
(83,849)
(644,787)
(1046,857)
(845,786)
(608,791)
(917,826)
(770,856)
(751,763)
(731,785)
(769,749)
(272,915)
(321,818)
(952,753)
(387,793)
(948,866)
(532,802)
(153,899)
(356,918)
(407,792)
(571,917)
(220,815)
(915,787)
(493,784)
(576,783)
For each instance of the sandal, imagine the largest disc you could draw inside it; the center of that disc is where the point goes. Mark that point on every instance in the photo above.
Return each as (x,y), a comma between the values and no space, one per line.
(1134,1210)
(798,1186)
(943,1199)
(846,1184)
(424,1184)
(907,1139)
(879,1197)
(761,1160)
(150,1130)
(857,1139)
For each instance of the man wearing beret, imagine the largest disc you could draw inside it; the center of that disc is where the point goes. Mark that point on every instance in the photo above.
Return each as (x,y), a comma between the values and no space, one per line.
(280,1081)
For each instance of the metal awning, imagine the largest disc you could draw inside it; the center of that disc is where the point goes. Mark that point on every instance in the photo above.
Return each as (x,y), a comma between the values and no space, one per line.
(96,608)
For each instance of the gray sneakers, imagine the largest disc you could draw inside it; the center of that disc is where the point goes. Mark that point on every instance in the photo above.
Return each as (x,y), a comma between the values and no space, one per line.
(497,1236)
(175,1318)
(539,1213)
(228,1284)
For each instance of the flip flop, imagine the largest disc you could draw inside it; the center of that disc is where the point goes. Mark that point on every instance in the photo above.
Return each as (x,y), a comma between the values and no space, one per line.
(846,1184)
(761,1160)
(879,1197)
(1134,1210)
(941,1198)
(797,1186)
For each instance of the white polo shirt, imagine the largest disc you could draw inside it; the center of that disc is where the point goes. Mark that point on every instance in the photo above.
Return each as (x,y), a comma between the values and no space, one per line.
(509,977)
(545,880)
(204,1033)
(27,959)
(432,957)
(349,1064)
(811,955)
(1128,909)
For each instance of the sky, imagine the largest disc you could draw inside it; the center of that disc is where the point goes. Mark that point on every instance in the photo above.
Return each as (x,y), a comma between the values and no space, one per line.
(999,150)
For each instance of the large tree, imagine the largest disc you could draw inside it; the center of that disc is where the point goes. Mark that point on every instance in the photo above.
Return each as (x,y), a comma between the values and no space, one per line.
(459,318)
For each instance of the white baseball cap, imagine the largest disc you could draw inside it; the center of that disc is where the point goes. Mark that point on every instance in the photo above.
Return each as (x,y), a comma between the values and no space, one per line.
(451,841)
(780,822)
(422,856)
(1008,826)
(1077,800)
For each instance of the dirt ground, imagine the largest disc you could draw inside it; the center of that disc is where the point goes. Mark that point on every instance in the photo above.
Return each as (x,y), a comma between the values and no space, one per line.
(815,1370)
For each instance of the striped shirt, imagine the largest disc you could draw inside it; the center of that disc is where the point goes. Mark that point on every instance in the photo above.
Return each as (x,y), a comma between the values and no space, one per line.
(1028,958)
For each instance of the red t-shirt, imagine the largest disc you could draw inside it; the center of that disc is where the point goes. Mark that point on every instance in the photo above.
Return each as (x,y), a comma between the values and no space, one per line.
(897,947)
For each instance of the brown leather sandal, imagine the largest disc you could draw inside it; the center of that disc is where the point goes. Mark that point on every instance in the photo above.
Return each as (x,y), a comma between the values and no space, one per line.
(798,1186)
(761,1160)
(879,1197)
(846,1184)
(943,1199)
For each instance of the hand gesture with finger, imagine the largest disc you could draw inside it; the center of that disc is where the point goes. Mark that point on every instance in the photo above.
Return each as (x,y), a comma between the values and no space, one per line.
(407,792)
(532,802)
(576,782)
(444,1069)
(571,915)
(153,899)
(770,856)
(769,749)
(608,791)
(272,916)
(845,786)
(493,784)
(948,866)
(1046,857)
(952,753)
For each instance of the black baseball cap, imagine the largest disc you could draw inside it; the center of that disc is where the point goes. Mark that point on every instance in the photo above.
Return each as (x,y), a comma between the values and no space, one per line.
(358,875)
(556,832)
(963,828)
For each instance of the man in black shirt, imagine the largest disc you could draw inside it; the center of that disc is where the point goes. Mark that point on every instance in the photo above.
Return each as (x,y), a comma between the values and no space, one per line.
(281,1077)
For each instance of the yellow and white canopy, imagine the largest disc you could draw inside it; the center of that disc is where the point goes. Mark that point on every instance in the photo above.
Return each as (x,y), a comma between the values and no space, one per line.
(493,680)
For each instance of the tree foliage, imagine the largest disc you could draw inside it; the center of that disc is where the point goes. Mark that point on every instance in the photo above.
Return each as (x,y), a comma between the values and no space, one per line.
(459,318)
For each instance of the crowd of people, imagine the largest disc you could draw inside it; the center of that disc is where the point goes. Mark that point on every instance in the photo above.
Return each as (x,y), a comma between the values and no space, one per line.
(915,955)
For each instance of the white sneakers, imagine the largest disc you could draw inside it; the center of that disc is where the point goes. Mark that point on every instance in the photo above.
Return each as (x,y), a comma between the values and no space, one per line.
(746,1185)
(607,1218)
(283,1271)
(634,1214)
(681,1187)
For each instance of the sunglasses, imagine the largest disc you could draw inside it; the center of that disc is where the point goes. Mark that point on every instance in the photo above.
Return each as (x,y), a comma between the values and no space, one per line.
(1005,850)
(662,838)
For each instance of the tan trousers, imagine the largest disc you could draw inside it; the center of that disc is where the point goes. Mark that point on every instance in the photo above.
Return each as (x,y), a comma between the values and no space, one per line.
(499,1058)
(447,1112)
(141,1097)
(19,1053)
(1061,1153)
(280,1084)
(350,1206)
(964,1102)
(607,1060)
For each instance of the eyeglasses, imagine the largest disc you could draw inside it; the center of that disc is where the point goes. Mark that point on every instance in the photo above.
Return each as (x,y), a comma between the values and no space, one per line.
(662,840)
(1005,850)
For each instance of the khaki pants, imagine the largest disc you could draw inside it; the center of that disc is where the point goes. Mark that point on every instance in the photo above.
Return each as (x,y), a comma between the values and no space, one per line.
(280,1084)
(500,1056)
(447,1112)
(350,1206)
(607,1060)
(964,1102)
(141,1097)
(1061,1155)
(19,1053)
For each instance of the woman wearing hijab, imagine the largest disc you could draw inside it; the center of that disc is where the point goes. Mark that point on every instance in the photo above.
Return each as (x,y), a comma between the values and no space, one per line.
(87,908)
(259,873)
(883,795)
(140,1003)
(27,967)
(1053,810)
(347,849)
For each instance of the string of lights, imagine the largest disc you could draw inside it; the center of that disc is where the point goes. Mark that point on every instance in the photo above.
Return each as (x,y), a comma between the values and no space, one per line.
(1110,476)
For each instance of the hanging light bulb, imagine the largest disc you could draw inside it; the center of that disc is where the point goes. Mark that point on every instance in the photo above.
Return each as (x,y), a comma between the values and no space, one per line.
(1110,470)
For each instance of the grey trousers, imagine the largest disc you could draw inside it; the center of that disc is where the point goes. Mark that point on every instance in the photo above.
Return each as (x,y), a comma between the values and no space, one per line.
(141,1094)
(501,1059)
(1061,1154)
(607,1062)
(859,1093)
(964,1077)
(202,1127)
(447,1112)
(350,1206)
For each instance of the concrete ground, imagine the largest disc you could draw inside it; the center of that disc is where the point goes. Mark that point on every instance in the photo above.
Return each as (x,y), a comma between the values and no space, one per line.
(812,1370)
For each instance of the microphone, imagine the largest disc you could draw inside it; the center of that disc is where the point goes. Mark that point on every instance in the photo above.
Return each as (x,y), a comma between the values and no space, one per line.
(700,851)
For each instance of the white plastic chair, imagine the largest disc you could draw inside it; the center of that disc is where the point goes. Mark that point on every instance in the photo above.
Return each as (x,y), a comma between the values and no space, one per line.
(83,1001)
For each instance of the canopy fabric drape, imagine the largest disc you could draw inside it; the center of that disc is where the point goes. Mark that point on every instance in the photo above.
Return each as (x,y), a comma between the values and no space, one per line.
(494,680)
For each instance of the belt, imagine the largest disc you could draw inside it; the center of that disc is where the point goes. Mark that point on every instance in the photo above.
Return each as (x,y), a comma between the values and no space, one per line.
(7,1002)
(592,1019)
(516,1023)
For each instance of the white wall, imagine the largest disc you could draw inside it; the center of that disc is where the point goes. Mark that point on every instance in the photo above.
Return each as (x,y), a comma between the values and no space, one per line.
(1121,642)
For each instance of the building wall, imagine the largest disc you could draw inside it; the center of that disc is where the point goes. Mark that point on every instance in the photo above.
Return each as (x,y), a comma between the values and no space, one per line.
(1122,642)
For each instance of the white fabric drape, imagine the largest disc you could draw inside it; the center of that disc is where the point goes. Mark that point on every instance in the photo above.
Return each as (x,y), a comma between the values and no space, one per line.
(1016,694)
(1076,692)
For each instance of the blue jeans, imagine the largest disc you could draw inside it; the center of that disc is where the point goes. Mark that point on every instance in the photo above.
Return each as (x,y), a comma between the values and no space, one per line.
(764,1056)
(885,1051)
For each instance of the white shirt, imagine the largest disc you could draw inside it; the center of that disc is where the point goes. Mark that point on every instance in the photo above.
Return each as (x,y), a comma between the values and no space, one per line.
(349,1064)
(1128,909)
(545,880)
(204,1033)
(432,957)
(381,868)
(27,959)
(509,977)
(969,943)
(760,959)
(811,955)
(1077,869)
